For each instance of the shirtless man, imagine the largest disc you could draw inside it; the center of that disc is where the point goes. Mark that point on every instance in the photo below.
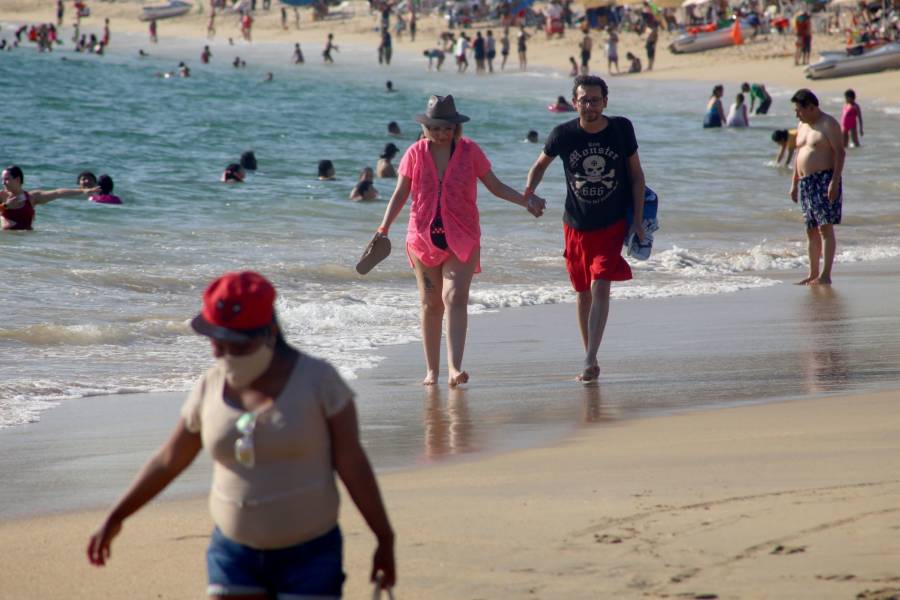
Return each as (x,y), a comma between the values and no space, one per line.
(817,181)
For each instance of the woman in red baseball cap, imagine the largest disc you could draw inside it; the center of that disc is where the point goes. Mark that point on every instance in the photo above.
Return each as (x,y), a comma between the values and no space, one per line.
(278,424)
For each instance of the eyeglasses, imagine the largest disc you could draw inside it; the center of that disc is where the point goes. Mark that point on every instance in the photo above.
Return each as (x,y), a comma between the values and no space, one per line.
(244,451)
(589,101)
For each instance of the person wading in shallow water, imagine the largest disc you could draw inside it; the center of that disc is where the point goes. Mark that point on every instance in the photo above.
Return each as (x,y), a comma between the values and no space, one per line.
(604,181)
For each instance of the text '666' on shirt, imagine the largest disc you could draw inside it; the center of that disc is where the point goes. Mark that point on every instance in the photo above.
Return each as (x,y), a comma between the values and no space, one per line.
(596,165)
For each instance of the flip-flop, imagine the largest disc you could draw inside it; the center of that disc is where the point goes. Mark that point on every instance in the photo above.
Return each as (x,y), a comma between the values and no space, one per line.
(377,250)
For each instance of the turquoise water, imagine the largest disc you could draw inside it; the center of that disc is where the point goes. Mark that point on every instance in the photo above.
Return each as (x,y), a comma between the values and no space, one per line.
(97,298)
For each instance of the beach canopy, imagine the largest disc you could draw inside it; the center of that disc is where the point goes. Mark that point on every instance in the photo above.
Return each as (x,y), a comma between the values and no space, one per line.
(597,3)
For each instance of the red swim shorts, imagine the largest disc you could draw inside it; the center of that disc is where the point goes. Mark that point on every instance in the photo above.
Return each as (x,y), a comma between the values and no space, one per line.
(596,254)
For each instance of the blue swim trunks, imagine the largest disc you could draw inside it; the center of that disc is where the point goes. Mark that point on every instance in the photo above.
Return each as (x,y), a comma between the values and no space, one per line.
(310,570)
(813,192)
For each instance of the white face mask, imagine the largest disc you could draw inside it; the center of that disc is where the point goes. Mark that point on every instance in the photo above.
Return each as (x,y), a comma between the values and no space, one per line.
(241,371)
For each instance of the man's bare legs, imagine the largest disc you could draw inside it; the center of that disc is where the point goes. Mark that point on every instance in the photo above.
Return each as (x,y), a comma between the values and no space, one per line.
(818,237)
(593,310)
(457,281)
(430,284)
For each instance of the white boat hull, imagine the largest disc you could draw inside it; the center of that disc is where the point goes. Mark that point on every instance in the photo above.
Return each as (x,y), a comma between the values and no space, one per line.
(165,11)
(698,42)
(880,59)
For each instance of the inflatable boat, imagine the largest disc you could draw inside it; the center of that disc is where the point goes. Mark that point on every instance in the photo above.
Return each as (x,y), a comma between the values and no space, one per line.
(843,64)
(175,8)
(704,40)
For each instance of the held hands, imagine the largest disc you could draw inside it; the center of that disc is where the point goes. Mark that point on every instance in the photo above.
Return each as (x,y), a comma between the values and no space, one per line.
(98,550)
(534,203)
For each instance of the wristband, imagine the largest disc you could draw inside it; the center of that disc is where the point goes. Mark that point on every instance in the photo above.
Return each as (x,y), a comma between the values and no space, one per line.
(382,230)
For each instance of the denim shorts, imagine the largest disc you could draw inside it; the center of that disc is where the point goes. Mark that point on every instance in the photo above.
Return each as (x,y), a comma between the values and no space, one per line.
(308,571)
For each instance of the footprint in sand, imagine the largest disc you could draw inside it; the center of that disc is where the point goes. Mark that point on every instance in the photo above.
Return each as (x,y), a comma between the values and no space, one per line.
(779,549)
(883,594)
(846,577)
(607,539)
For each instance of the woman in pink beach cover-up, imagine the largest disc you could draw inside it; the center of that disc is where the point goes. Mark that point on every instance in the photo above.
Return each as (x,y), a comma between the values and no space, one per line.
(443,240)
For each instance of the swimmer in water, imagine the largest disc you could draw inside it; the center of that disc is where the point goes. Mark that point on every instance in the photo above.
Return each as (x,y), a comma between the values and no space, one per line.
(105,196)
(326,170)
(269,77)
(364,190)
(86,180)
(17,205)
(384,168)
(393,129)
(532,137)
(234,173)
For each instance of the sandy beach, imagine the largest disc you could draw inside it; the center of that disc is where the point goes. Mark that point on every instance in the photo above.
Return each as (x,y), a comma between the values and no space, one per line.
(768,59)
(790,499)
(740,446)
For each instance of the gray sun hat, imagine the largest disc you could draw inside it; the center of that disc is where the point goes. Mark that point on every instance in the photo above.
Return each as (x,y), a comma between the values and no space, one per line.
(441,110)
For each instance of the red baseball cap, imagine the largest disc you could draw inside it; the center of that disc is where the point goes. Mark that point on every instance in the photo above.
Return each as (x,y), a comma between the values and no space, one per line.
(236,307)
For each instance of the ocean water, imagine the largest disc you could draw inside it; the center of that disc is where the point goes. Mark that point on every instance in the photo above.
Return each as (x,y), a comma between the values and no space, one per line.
(97,298)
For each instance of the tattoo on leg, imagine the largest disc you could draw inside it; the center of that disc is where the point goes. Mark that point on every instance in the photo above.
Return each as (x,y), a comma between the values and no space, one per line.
(428,285)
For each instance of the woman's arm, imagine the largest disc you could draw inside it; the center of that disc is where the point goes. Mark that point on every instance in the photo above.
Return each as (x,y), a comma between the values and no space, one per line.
(173,457)
(45,196)
(533,204)
(353,467)
(395,204)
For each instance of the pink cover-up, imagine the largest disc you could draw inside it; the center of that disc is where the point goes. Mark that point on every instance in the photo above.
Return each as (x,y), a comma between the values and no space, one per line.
(459,210)
(848,117)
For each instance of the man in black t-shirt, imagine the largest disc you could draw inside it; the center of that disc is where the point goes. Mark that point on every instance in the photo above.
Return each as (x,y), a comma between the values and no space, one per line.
(604,182)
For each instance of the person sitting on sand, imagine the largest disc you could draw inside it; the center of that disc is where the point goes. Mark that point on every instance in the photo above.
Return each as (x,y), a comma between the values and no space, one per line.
(443,239)
(326,170)
(562,105)
(384,168)
(105,183)
(634,63)
(787,140)
(17,205)
(234,173)
(279,425)
(364,190)
(737,113)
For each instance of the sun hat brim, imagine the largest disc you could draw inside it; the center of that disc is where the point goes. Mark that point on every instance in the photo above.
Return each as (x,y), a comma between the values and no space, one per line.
(454,120)
(224,334)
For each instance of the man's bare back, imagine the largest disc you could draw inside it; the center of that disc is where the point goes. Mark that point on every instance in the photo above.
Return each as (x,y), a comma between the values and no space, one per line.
(815,145)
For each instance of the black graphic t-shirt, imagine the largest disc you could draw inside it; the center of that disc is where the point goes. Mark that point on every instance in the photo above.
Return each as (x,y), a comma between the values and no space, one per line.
(598,188)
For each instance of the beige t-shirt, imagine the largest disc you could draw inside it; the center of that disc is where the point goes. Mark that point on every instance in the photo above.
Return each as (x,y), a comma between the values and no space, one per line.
(289,496)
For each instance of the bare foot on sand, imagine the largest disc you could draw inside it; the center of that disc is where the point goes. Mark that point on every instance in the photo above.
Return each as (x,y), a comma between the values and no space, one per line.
(808,280)
(590,374)
(823,280)
(431,378)
(458,379)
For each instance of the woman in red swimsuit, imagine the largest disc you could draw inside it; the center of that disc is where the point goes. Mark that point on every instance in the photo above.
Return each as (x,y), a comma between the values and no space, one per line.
(17,205)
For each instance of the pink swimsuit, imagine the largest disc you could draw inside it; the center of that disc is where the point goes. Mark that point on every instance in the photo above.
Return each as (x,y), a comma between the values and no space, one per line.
(455,197)
(105,199)
(848,117)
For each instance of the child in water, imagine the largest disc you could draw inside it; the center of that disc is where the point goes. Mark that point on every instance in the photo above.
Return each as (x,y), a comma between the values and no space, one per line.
(737,114)
(849,116)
